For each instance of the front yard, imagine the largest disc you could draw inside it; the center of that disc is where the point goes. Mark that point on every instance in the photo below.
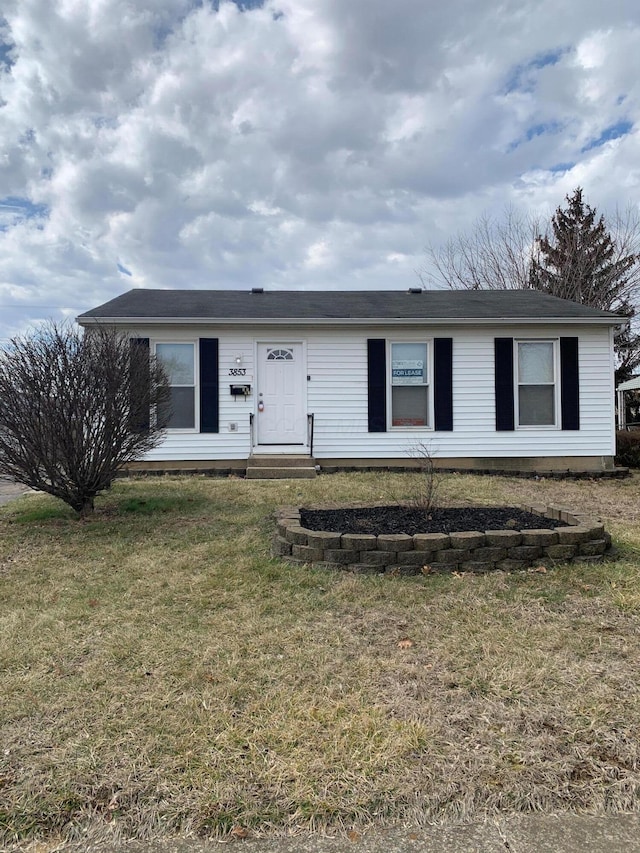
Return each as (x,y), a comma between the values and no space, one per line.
(162,674)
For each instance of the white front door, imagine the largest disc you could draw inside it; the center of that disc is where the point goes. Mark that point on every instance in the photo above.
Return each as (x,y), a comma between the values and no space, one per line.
(281,394)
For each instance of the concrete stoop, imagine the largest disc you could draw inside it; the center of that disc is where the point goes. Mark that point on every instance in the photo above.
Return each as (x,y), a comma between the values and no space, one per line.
(290,467)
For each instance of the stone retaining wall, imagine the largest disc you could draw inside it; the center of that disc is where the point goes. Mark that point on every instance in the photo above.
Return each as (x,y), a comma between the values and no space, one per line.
(401,554)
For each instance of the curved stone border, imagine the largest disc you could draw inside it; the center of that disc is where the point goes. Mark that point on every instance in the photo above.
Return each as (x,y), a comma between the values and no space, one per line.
(472,551)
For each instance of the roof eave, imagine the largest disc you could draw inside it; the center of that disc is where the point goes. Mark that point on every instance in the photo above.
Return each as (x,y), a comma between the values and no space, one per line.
(352,321)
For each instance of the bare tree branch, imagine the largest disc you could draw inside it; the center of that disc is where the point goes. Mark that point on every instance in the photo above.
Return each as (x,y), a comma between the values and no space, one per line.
(495,255)
(576,256)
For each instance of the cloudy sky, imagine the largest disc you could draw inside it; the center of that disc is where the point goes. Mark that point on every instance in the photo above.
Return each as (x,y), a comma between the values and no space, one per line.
(293,143)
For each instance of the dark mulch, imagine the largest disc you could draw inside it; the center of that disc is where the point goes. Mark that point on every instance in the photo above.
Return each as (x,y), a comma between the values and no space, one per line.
(399,519)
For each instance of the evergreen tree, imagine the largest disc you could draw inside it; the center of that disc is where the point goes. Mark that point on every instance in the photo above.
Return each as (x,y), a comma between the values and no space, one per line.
(581,261)
(575,256)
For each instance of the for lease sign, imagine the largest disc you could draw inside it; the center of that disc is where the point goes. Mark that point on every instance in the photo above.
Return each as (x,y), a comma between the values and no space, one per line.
(407,371)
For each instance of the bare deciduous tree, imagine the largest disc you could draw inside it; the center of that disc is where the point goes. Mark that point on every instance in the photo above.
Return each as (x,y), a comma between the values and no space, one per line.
(496,254)
(74,408)
(500,253)
(576,256)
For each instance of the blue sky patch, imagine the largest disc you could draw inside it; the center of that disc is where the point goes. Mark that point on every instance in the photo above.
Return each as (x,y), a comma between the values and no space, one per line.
(6,59)
(550,127)
(561,168)
(522,77)
(14,210)
(243,5)
(614,131)
(541,129)
(122,269)
(104,121)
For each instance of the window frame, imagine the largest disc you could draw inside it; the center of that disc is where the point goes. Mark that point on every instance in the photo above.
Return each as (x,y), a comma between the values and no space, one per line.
(428,344)
(555,342)
(196,383)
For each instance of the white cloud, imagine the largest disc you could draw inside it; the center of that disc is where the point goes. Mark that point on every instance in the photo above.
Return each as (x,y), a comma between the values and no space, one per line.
(296,144)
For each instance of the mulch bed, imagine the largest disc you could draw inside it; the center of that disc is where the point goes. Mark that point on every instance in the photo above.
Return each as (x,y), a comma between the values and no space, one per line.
(401,519)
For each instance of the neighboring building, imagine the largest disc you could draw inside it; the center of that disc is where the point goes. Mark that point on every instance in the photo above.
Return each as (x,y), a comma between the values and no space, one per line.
(628,419)
(510,380)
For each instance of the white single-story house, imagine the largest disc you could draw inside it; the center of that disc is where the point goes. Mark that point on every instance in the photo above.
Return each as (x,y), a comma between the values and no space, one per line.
(502,380)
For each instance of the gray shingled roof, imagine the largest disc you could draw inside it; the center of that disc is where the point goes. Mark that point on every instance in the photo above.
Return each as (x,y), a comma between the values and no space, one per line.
(342,306)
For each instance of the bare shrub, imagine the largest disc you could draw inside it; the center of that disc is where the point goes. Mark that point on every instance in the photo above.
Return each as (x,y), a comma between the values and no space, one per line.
(74,408)
(429,480)
(628,448)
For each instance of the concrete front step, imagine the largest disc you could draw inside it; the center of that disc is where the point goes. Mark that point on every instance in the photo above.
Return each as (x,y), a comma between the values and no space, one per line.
(281,467)
(291,460)
(264,473)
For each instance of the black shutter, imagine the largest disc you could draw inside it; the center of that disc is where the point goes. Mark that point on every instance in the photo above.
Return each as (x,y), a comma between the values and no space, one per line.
(443,383)
(139,408)
(209,385)
(569,385)
(504,384)
(377,384)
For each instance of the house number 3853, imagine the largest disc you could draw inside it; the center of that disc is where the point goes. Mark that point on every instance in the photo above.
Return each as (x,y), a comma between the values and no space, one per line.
(237,371)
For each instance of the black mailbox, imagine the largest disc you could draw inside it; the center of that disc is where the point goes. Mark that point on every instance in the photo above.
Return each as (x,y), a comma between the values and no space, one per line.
(240,390)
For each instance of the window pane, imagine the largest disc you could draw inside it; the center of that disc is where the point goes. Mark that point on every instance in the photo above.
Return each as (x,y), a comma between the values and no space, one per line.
(280,355)
(177,360)
(179,409)
(408,364)
(409,406)
(536,405)
(535,362)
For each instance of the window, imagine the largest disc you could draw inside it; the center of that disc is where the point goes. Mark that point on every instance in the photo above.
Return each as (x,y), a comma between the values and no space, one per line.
(536,383)
(409,385)
(179,362)
(279,355)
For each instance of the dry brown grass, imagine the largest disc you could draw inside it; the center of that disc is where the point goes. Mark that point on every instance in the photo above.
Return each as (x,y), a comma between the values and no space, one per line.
(162,674)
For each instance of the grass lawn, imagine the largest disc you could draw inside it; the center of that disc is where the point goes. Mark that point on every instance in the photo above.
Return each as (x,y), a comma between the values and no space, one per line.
(162,674)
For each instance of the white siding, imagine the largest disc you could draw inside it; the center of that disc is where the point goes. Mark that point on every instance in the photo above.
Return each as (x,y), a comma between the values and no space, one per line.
(337,395)
(191,445)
